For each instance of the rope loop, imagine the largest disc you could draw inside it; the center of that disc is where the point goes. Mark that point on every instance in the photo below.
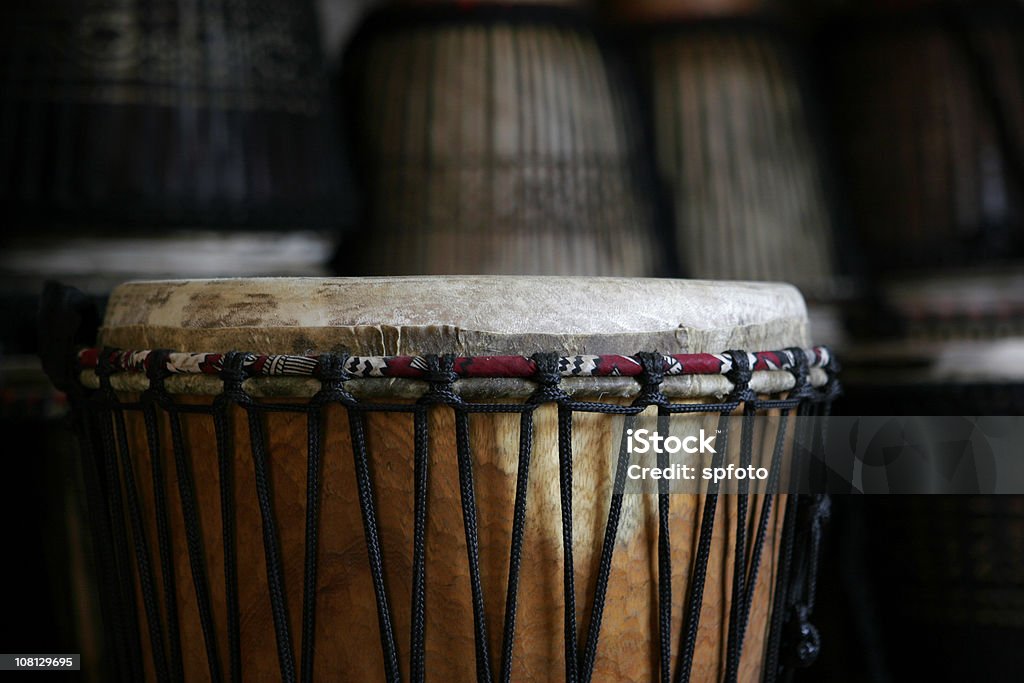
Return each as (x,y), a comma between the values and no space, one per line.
(233,373)
(832,389)
(441,376)
(800,369)
(156,367)
(739,374)
(549,376)
(157,371)
(654,366)
(332,372)
(105,365)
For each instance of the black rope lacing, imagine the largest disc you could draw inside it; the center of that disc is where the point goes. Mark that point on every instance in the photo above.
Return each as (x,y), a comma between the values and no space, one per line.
(789,629)
(232,375)
(126,624)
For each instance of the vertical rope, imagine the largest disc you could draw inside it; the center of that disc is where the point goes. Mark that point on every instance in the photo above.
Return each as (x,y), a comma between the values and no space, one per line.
(469,518)
(418,626)
(118,605)
(367,505)
(126,621)
(695,599)
(516,545)
(194,540)
(232,375)
(275,578)
(589,655)
(664,562)
(441,376)
(781,599)
(568,576)
(314,427)
(762,526)
(99,521)
(157,372)
(142,555)
(736,619)
(740,375)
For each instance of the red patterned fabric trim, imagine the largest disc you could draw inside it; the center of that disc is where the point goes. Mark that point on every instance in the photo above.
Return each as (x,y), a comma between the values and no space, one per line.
(415,367)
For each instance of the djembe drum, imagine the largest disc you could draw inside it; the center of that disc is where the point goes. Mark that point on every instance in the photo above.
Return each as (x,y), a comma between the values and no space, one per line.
(423,479)
(496,138)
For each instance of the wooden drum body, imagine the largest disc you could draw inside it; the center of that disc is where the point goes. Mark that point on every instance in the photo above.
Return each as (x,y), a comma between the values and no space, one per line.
(347,501)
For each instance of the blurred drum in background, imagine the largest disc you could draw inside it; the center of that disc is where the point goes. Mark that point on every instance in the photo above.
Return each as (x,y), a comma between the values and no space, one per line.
(960,336)
(495,138)
(949,570)
(162,114)
(662,10)
(736,146)
(928,105)
(299,512)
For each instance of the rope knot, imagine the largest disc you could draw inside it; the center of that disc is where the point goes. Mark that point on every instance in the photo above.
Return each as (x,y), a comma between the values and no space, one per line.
(549,376)
(233,372)
(803,638)
(440,374)
(653,365)
(739,374)
(157,366)
(331,371)
(105,364)
(800,369)
(832,389)
(440,369)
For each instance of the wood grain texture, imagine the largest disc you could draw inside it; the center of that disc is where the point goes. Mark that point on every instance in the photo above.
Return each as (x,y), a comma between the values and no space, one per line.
(347,638)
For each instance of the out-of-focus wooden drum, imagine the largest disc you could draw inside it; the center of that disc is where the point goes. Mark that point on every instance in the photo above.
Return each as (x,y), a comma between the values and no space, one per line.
(160,115)
(928,107)
(660,10)
(959,589)
(421,479)
(496,139)
(957,335)
(736,145)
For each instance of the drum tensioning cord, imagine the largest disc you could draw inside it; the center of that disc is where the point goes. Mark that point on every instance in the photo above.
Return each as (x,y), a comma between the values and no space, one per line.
(102,423)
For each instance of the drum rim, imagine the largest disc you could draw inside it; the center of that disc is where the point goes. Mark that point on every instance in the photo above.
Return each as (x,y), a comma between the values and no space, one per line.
(698,376)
